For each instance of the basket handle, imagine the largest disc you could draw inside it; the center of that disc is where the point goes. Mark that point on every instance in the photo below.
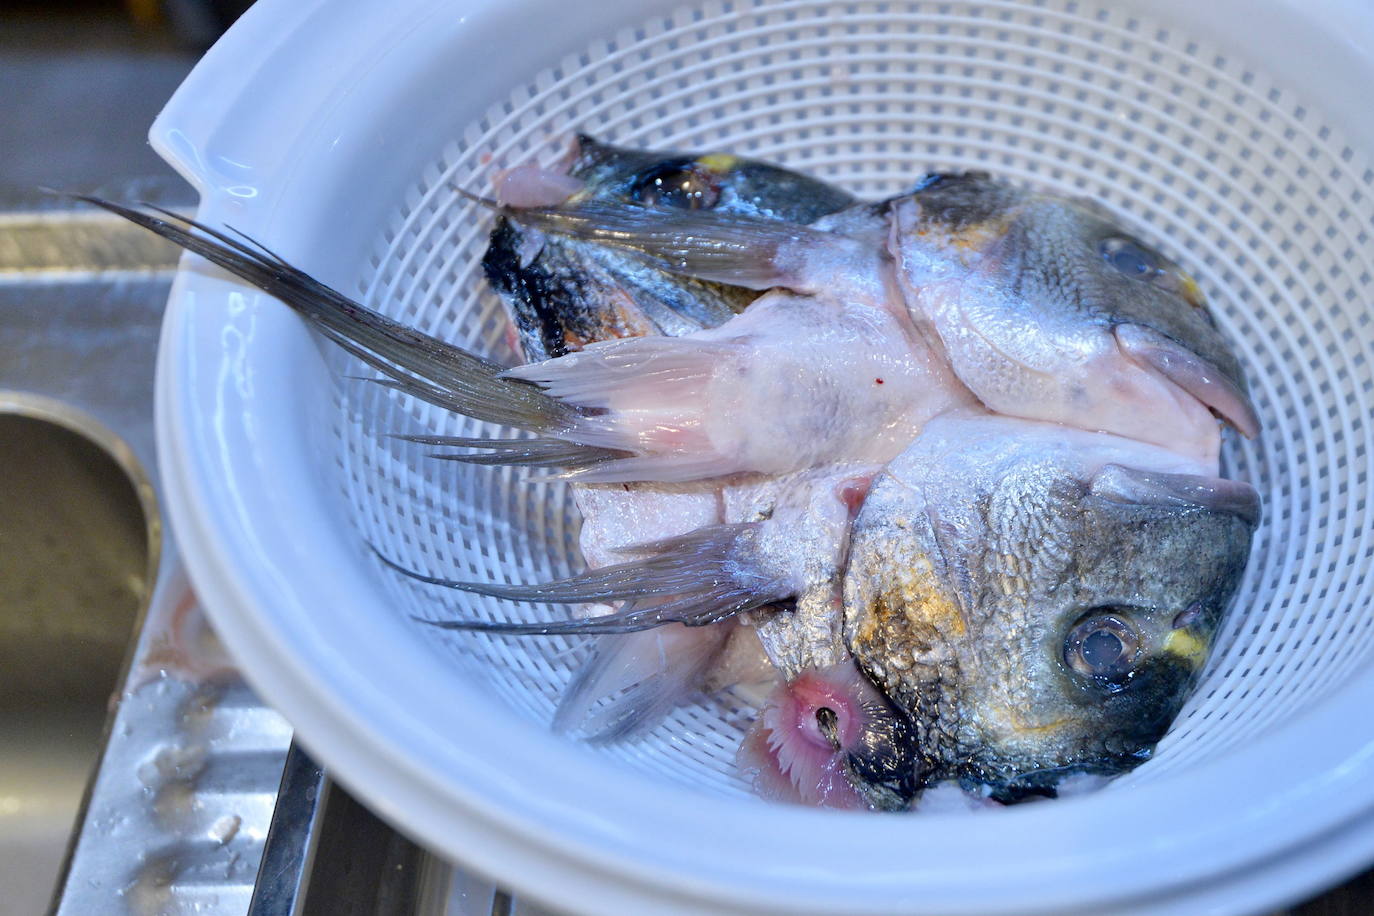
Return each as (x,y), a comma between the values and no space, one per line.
(230,128)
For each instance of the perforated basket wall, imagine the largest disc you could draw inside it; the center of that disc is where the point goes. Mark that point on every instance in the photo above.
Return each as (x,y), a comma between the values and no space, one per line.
(1236,178)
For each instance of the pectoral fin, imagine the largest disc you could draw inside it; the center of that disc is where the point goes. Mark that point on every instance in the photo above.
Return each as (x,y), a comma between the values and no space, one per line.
(695,579)
(738,250)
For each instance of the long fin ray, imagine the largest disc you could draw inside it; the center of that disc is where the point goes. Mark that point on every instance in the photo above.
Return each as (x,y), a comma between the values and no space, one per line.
(537,453)
(694,579)
(745,251)
(471,380)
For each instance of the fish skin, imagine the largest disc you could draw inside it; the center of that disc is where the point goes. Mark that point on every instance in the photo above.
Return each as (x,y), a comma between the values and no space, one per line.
(572,293)
(1016,286)
(1043,308)
(969,735)
(794,382)
(806,635)
(815,518)
(982,546)
(745,186)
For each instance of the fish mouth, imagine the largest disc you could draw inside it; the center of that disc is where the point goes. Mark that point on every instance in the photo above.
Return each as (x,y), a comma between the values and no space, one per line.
(1118,483)
(1208,383)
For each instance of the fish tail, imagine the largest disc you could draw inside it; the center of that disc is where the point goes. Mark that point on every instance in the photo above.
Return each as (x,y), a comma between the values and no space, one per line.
(576,433)
(414,362)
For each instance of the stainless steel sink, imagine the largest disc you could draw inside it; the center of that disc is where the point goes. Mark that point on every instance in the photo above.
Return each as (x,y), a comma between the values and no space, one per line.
(77,545)
(129,750)
(79,526)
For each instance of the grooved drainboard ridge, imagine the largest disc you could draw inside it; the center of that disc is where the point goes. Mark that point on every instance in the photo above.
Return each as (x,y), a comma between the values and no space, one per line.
(78,244)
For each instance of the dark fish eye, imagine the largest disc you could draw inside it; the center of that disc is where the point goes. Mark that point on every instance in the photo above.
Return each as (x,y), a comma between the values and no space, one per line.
(681,185)
(1102,646)
(1130,258)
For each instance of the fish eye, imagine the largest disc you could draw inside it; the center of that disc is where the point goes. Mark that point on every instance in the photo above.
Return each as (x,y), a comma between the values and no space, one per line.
(1130,258)
(683,186)
(1102,646)
(1140,263)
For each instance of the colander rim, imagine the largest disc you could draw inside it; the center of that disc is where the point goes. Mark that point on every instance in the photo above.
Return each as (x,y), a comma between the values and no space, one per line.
(245,557)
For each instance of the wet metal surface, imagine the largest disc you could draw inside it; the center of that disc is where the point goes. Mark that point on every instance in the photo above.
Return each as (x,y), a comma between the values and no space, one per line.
(327,855)
(68,507)
(187,783)
(78,541)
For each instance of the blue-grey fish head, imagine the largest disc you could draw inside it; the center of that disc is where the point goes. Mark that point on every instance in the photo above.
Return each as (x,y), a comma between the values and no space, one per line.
(1053,299)
(564,293)
(720,182)
(1040,601)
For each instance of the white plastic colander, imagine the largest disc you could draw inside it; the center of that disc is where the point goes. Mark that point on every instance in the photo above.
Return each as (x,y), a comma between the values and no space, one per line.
(1234,135)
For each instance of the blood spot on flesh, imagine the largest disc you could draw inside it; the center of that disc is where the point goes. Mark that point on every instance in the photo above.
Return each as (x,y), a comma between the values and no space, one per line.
(877,381)
(853,491)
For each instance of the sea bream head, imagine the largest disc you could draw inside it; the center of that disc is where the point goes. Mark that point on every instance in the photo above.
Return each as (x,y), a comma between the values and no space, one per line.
(720,182)
(1038,600)
(1049,309)
(564,292)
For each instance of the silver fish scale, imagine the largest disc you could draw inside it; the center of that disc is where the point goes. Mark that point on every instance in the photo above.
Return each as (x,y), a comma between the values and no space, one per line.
(1024,534)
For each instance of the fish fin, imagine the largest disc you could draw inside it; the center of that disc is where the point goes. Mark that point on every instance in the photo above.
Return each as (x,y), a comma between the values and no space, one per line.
(648,398)
(746,251)
(531,453)
(600,448)
(629,682)
(639,373)
(416,363)
(663,468)
(695,579)
(1200,378)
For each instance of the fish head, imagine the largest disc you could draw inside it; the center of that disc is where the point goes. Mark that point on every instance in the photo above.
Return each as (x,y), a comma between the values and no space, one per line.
(719,182)
(1050,310)
(1038,600)
(565,293)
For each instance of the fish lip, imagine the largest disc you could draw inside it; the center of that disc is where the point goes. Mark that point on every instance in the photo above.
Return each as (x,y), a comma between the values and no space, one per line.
(1199,377)
(1121,484)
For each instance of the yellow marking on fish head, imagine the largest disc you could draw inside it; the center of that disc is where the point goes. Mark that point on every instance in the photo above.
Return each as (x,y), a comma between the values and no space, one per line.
(1190,291)
(970,241)
(1185,644)
(922,601)
(720,163)
(1024,726)
(928,601)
